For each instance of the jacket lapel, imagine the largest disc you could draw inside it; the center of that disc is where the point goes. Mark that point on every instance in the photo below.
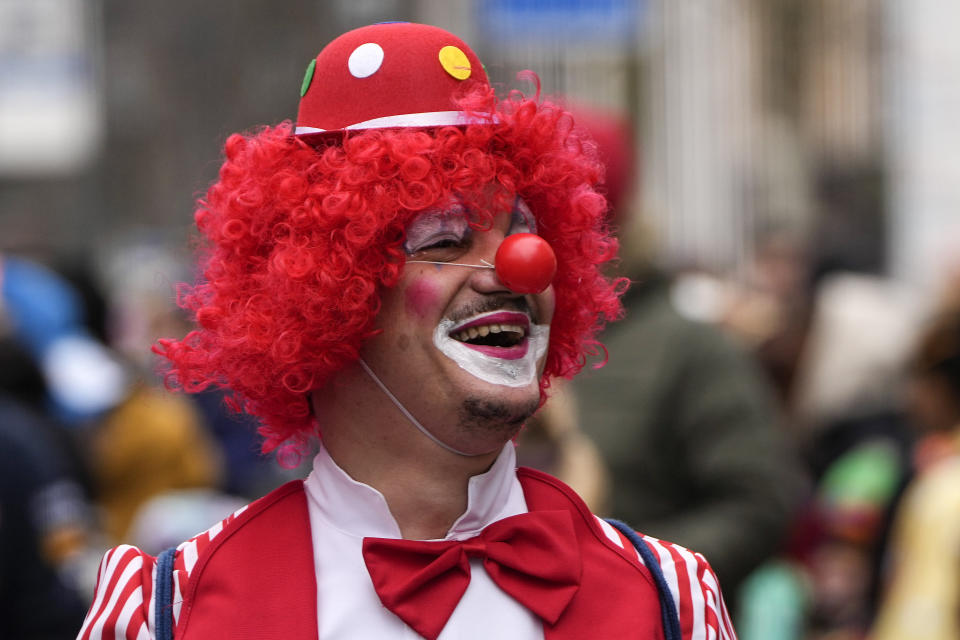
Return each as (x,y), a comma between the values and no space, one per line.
(617,596)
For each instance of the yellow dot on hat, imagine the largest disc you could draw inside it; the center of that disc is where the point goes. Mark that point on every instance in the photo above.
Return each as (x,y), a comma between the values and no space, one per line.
(365,60)
(455,62)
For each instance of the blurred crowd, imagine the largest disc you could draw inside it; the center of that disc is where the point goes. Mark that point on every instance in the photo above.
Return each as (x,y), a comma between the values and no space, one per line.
(94,452)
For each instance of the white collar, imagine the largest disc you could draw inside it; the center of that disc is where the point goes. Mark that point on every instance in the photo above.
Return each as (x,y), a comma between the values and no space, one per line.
(359,510)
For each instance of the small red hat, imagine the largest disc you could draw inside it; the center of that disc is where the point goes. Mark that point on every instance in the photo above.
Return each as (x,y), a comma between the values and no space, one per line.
(394,74)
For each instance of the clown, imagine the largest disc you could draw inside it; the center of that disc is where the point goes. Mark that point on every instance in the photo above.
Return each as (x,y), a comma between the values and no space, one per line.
(403,273)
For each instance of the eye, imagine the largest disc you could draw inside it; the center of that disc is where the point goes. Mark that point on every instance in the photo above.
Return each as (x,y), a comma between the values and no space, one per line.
(444,243)
(438,230)
(521,219)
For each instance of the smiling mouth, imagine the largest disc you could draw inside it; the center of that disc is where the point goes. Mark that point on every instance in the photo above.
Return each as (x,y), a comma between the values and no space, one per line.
(492,335)
(501,335)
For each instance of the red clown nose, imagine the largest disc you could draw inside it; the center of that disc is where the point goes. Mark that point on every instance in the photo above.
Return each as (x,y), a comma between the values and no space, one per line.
(525,263)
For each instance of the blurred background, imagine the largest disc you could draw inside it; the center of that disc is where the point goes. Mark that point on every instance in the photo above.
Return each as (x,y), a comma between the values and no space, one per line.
(785,173)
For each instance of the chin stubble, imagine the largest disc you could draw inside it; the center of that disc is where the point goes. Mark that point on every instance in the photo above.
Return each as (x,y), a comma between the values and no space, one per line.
(492,416)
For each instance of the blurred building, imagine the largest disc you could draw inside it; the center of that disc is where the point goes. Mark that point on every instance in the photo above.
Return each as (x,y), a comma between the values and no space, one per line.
(922,99)
(819,117)
(829,118)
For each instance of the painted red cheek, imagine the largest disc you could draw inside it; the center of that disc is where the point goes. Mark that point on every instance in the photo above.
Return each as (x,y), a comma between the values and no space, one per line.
(422,296)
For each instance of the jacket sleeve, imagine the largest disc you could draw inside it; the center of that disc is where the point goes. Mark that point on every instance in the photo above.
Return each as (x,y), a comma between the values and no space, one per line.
(123,603)
(696,592)
(690,580)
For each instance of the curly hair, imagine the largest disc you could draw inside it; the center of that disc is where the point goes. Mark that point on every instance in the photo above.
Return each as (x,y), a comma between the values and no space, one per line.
(301,241)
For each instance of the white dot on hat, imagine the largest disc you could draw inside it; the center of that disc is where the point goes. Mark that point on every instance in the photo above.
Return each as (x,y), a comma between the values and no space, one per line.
(365,60)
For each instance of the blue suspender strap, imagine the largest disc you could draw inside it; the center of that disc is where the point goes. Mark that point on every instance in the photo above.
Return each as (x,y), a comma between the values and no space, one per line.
(163,602)
(668,608)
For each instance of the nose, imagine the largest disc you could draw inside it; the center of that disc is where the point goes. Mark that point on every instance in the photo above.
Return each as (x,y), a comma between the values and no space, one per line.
(525,263)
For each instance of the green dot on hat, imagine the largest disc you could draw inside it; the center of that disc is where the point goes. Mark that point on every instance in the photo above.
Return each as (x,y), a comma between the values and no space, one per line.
(308,77)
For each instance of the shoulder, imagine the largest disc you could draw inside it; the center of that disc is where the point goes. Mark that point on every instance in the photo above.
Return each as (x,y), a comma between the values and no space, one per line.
(694,588)
(939,482)
(932,500)
(681,575)
(123,602)
(123,596)
(684,574)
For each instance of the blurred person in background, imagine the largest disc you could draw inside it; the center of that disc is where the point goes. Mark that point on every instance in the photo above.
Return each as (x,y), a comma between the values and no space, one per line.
(836,344)
(769,310)
(139,274)
(128,440)
(848,411)
(359,283)
(148,443)
(43,528)
(686,422)
(922,598)
(152,443)
(45,521)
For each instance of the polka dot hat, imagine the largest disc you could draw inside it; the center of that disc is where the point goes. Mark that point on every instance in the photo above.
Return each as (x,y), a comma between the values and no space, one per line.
(395,74)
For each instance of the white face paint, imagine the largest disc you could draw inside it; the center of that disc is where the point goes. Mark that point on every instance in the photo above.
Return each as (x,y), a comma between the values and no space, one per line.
(514,372)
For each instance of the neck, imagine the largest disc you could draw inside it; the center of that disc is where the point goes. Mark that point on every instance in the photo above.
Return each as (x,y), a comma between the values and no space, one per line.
(425,485)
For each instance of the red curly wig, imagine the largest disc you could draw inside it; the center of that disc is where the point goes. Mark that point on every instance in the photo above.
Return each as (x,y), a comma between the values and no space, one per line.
(302,240)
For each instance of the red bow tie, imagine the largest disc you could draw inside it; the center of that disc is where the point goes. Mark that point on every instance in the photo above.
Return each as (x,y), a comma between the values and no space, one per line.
(534,557)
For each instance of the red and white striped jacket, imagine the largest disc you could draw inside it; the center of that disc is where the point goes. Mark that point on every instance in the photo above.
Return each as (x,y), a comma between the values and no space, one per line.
(223,588)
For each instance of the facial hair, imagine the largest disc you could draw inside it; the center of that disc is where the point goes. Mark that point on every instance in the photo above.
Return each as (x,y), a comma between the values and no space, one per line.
(495,303)
(496,418)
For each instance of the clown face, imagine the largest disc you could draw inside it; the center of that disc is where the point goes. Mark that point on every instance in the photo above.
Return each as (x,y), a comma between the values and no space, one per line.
(460,350)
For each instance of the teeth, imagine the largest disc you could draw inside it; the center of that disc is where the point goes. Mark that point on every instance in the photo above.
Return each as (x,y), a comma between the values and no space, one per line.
(484,330)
